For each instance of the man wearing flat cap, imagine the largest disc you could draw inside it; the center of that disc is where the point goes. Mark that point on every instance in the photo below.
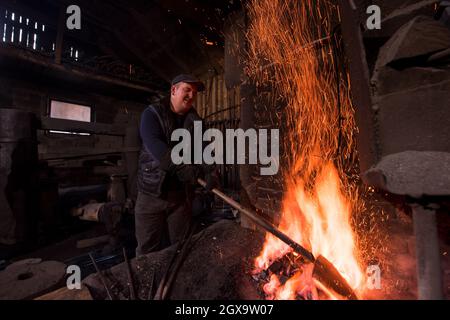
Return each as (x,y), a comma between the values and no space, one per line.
(165,190)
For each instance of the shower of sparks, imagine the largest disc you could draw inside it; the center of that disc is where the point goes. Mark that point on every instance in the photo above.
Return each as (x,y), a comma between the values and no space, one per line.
(291,51)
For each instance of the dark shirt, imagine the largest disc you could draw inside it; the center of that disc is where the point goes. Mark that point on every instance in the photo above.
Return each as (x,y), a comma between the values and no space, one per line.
(152,133)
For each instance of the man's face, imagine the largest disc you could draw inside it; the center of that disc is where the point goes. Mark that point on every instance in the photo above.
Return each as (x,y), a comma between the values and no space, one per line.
(183,96)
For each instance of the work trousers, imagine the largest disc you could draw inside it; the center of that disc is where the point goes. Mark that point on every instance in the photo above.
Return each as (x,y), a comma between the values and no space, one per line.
(159,222)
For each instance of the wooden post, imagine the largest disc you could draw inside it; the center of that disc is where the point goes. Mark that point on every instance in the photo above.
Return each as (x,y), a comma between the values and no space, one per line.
(429,273)
(60,35)
(360,84)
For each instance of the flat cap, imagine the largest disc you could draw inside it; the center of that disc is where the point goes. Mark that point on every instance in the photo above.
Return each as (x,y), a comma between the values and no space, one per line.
(189,79)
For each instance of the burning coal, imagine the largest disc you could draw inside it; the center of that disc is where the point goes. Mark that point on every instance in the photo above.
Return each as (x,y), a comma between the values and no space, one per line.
(291,50)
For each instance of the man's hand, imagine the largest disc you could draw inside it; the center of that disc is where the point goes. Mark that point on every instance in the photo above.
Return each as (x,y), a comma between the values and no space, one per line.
(187,173)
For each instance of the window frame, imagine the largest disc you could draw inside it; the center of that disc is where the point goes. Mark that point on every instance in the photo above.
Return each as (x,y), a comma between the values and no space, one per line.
(79,102)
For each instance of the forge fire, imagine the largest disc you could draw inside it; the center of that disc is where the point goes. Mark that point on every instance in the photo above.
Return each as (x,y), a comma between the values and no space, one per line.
(257,150)
(318,201)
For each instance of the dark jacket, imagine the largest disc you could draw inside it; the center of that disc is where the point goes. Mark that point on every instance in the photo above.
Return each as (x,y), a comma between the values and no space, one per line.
(152,179)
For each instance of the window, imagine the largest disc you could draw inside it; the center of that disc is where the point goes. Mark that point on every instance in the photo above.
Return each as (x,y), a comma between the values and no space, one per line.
(70,111)
(20,30)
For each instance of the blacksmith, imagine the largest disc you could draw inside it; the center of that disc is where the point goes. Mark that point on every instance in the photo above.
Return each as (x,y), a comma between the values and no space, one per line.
(165,190)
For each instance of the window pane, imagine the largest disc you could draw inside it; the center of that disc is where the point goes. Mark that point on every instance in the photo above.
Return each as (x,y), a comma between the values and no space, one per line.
(70,111)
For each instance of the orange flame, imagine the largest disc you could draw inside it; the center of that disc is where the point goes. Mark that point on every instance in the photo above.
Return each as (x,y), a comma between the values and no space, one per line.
(301,283)
(320,222)
(316,212)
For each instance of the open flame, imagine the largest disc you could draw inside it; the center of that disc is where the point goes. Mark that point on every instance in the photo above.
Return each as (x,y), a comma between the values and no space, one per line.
(285,53)
(320,221)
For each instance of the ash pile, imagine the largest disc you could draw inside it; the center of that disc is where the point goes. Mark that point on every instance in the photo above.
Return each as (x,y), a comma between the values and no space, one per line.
(217,266)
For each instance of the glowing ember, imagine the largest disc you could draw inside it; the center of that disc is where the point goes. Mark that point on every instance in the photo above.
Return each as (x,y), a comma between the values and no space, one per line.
(318,199)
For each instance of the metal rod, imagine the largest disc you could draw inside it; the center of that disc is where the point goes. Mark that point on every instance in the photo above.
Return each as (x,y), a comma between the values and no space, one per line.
(130,277)
(152,283)
(180,259)
(102,278)
(159,291)
(263,223)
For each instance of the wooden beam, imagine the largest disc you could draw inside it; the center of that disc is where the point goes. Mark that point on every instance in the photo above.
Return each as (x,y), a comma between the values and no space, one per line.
(79,126)
(14,53)
(76,156)
(360,84)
